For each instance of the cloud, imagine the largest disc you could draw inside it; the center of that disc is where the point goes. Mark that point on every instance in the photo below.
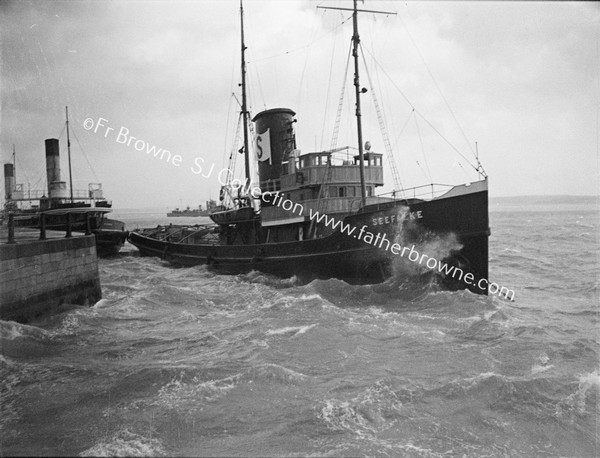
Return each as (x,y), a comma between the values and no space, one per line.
(521,78)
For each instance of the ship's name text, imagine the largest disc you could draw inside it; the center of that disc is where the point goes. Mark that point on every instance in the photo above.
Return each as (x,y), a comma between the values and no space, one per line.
(390,219)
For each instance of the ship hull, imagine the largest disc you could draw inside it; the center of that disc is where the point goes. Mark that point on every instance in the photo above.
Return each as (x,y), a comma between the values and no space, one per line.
(110,237)
(192,214)
(109,243)
(355,258)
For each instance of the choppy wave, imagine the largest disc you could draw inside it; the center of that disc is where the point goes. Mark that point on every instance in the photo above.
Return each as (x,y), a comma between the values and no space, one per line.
(183,361)
(126,443)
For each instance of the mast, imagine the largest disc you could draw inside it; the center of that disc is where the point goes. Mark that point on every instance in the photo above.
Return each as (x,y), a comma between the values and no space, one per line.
(14,164)
(69,154)
(244,105)
(357,91)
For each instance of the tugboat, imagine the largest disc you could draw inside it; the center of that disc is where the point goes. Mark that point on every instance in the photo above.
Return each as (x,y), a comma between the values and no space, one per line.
(316,215)
(110,234)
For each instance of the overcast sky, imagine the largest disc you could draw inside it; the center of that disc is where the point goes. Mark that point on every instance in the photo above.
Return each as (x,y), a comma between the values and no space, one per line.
(519,78)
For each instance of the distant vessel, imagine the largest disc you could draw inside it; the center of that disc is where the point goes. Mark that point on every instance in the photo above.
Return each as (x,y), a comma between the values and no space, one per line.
(211,206)
(28,206)
(269,227)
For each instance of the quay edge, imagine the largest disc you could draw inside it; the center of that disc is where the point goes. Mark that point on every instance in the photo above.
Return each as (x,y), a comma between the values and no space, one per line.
(38,277)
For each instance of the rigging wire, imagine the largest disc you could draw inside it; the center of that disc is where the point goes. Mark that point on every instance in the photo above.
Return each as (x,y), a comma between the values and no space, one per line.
(85,156)
(21,169)
(234,147)
(38,173)
(251,72)
(406,99)
(336,126)
(233,97)
(303,72)
(325,114)
(41,178)
(437,86)
(300,48)
(82,151)
(384,133)
(62,131)
(451,145)
(422,150)
(410,115)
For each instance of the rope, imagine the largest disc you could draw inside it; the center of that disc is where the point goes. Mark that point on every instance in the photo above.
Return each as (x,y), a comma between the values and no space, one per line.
(410,115)
(338,116)
(302,74)
(382,127)
(227,124)
(438,88)
(423,117)
(327,96)
(422,149)
(85,156)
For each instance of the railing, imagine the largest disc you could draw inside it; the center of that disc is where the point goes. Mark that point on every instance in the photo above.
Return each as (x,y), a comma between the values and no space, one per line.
(432,191)
(343,167)
(41,220)
(37,194)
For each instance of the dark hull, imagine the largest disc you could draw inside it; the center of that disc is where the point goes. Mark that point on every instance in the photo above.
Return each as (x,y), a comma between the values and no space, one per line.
(110,237)
(466,216)
(175,214)
(342,256)
(109,242)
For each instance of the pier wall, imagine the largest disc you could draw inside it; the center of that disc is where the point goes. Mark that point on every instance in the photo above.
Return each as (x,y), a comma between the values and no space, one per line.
(37,277)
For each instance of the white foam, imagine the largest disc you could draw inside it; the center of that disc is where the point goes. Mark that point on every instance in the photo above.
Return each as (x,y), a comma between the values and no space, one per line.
(340,416)
(576,402)
(101,303)
(311,297)
(126,443)
(10,330)
(538,368)
(276,372)
(296,330)
(587,382)
(184,396)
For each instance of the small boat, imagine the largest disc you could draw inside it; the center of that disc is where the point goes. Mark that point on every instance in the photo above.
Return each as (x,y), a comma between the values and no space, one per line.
(316,215)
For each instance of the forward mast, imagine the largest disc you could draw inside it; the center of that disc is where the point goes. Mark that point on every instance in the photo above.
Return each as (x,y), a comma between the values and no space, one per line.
(244,102)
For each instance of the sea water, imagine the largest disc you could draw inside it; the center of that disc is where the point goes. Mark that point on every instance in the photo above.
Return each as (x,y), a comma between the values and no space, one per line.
(183,361)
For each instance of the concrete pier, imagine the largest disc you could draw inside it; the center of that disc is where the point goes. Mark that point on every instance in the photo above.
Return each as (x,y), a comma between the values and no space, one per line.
(39,276)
